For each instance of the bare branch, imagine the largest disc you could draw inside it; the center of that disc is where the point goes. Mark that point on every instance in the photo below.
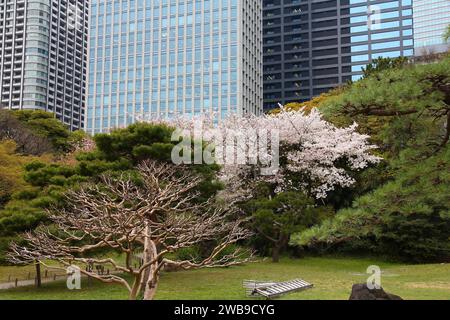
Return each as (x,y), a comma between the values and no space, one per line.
(159,216)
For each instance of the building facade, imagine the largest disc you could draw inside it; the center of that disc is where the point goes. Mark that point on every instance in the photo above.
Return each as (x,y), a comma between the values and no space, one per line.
(156,59)
(43,57)
(312,46)
(431,19)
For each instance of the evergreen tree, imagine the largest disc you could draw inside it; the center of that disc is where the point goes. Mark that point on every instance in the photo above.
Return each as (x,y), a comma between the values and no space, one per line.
(407,113)
(276,218)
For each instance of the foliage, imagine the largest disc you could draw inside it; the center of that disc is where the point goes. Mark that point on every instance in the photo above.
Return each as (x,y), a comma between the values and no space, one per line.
(399,108)
(406,111)
(122,149)
(192,253)
(27,141)
(447,33)
(158,215)
(313,155)
(276,218)
(11,173)
(24,210)
(17,216)
(44,124)
(37,132)
(44,181)
(315,158)
(380,64)
(307,106)
(408,217)
(136,142)
(17,213)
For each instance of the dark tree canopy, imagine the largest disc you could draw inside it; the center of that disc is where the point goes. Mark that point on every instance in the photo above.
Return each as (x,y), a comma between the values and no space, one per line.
(381,64)
(406,111)
(400,108)
(115,154)
(27,141)
(276,218)
(46,125)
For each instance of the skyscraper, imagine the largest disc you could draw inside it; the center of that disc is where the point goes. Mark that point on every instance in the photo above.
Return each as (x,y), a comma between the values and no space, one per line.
(158,58)
(43,57)
(311,46)
(431,18)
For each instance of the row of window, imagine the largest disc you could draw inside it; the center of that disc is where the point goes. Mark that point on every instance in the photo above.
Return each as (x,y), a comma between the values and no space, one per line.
(171,7)
(377,7)
(380,25)
(161,93)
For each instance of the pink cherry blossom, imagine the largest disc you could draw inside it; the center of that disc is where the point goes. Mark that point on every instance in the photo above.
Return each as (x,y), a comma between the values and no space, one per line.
(309,149)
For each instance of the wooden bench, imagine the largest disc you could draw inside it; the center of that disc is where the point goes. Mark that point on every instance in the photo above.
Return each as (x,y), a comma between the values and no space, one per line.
(251,286)
(271,289)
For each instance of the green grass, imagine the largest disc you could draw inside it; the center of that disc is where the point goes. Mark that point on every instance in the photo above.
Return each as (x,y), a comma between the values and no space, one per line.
(15,272)
(332,278)
(10,273)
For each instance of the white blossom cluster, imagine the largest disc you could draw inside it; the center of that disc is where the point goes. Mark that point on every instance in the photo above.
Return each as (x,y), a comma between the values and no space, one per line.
(311,149)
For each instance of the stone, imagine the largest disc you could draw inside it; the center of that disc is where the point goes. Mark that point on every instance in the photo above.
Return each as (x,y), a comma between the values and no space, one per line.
(362,292)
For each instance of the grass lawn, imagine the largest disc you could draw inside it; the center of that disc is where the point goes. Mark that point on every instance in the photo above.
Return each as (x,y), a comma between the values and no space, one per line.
(15,272)
(332,278)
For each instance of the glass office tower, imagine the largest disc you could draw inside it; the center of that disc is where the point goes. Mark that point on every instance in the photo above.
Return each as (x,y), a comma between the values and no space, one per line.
(159,58)
(431,18)
(378,29)
(43,57)
(311,46)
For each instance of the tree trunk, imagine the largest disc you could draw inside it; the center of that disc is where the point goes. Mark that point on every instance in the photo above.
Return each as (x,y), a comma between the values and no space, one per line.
(279,246)
(135,289)
(149,280)
(145,258)
(38,275)
(276,253)
(151,283)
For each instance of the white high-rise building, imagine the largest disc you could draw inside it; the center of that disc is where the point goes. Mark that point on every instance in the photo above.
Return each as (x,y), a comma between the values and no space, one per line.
(43,57)
(159,58)
(431,19)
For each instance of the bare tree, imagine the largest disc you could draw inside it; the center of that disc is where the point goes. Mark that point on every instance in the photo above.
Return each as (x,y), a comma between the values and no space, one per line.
(157,214)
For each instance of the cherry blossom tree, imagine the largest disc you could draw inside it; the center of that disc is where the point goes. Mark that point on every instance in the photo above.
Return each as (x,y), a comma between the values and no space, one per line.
(157,215)
(289,150)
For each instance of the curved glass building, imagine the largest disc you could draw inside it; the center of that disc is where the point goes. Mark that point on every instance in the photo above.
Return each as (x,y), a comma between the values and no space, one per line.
(43,57)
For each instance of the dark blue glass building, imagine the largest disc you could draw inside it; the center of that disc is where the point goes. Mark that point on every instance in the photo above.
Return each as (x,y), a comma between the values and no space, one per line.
(312,46)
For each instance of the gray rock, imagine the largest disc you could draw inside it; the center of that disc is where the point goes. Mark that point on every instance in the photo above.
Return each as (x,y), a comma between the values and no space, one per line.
(362,292)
